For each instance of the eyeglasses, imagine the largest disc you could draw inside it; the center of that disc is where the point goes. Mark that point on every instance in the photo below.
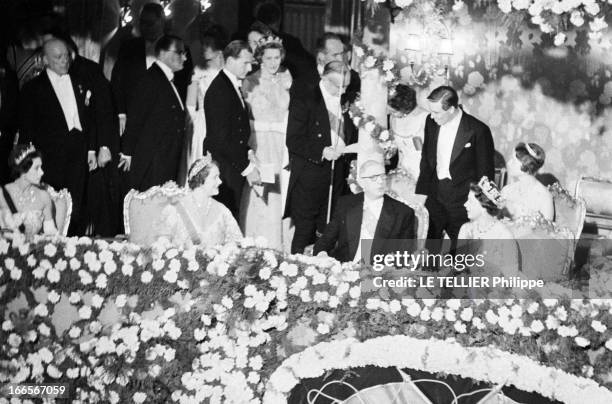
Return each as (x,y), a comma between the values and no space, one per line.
(376,178)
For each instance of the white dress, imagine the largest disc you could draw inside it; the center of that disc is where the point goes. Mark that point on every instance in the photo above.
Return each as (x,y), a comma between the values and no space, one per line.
(261,208)
(528,197)
(408,131)
(203,78)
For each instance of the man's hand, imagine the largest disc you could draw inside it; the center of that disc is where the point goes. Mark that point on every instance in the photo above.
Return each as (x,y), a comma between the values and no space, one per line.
(122,121)
(125,162)
(253,177)
(330,154)
(104,156)
(91,160)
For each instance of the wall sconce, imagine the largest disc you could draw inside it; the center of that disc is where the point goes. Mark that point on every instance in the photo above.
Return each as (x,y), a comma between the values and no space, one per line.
(429,54)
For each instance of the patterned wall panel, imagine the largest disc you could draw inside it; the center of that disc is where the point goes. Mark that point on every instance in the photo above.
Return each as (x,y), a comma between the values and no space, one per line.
(306,20)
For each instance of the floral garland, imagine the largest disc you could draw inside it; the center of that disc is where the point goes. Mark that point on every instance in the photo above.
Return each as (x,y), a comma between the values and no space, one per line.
(383,137)
(369,60)
(557,17)
(480,363)
(214,325)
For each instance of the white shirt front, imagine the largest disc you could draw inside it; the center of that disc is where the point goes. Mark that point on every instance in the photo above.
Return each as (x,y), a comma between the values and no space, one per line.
(236,83)
(446,141)
(62,85)
(369,221)
(170,75)
(332,103)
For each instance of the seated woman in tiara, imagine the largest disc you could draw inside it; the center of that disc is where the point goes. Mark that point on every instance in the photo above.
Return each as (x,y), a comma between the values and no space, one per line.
(24,205)
(527,196)
(485,233)
(207,222)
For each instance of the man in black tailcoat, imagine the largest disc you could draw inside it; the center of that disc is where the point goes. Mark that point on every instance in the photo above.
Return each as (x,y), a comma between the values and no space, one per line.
(228,127)
(152,143)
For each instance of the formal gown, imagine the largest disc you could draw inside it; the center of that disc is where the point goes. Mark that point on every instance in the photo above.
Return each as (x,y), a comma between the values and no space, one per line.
(528,198)
(32,217)
(408,132)
(262,206)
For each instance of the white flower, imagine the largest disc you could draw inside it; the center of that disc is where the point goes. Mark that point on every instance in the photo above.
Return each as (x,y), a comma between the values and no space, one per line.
(73,373)
(61,265)
(358,51)
(591,7)
(288,269)
(491,317)
(9,263)
(598,326)
(384,135)
(97,300)
(552,322)
(154,370)
(110,267)
(265,273)
(537,326)
(582,342)
(388,64)
(121,300)
(101,281)
(53,275)
(53,372)
(369,127)
(169,354)
(74,298)
(69,250)
(41,310)
(560,39)
(50,250)
(460,327)
(139,397)
(75,264)
(127,269)
(7,325)
(227,302)
(15,274)
(86,278)
(74,332)
(609,344)
(355,292)
(31,261)
(44,330)
(146,277)
(45,354)
(170,276)
(369,62)
(576,18)
(14,340)
(256,362)
(85,312)
(467,314)
(53,297)
(458,5)
(533,307)
(323,328)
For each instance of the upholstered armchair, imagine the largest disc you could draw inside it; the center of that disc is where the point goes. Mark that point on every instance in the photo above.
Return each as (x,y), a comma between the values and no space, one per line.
(62,209)
(597,194)
(569,211)
(546,249)
(155,213)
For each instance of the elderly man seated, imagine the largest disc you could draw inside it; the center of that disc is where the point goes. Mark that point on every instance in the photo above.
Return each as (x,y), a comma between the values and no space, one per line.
(370,215)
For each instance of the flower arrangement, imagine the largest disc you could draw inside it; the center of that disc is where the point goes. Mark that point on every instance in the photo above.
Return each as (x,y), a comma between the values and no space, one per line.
(383,137)
(369,60)
(222,324)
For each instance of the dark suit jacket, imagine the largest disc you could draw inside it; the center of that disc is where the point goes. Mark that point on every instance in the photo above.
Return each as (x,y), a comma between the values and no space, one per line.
(155,131)
(42,122)
(342,235)
(9,121)
(471,158)
(227,130)
(130,68)
(308,133)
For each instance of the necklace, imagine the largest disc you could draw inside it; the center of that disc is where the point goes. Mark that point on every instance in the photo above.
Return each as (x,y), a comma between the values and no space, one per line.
(482,229)
(26,196)
(203,208)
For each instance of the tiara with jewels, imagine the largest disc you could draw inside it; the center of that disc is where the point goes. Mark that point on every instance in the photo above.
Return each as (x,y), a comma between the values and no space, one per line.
(490,190)
(199,166)
(531,152)
(269,39)
(24,154)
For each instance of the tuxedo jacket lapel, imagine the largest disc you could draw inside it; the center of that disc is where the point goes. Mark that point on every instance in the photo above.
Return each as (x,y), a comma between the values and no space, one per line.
(79,95)
(323,113)
(354,217)
(54,101)
(463,136)
(385,220)
(433,150)
(237,98)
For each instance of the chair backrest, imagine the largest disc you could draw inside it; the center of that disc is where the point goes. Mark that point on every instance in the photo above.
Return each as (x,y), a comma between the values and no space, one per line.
(597,194)
(152,214)
(62,209)
(546,249)
(421,214)
(570,212)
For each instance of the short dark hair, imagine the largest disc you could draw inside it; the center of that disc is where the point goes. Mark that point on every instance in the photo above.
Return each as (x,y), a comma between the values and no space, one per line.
(403,99)
(531,160)
(153,8)
(490,206)
(198,179)
(260,27)
(165,42)
(234,48)
(25,162)
(269,13)
(215,37)
(322,40)
(259,51)
(447,95)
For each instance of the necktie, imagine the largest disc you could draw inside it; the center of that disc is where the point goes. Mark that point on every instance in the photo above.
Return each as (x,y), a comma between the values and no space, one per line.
(244,104)
(336,124)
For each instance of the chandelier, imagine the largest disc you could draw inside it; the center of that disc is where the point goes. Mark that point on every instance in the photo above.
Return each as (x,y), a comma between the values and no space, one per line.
(427,52)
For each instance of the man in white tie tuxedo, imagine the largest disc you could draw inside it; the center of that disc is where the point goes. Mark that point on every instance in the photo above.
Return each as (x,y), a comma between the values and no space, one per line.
(153,139)
(55,116)
(370,215)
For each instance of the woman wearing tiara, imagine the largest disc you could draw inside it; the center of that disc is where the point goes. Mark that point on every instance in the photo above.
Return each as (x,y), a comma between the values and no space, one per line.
(208,223)
(24,205)
(527,196)
(485,233)
(267,93)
